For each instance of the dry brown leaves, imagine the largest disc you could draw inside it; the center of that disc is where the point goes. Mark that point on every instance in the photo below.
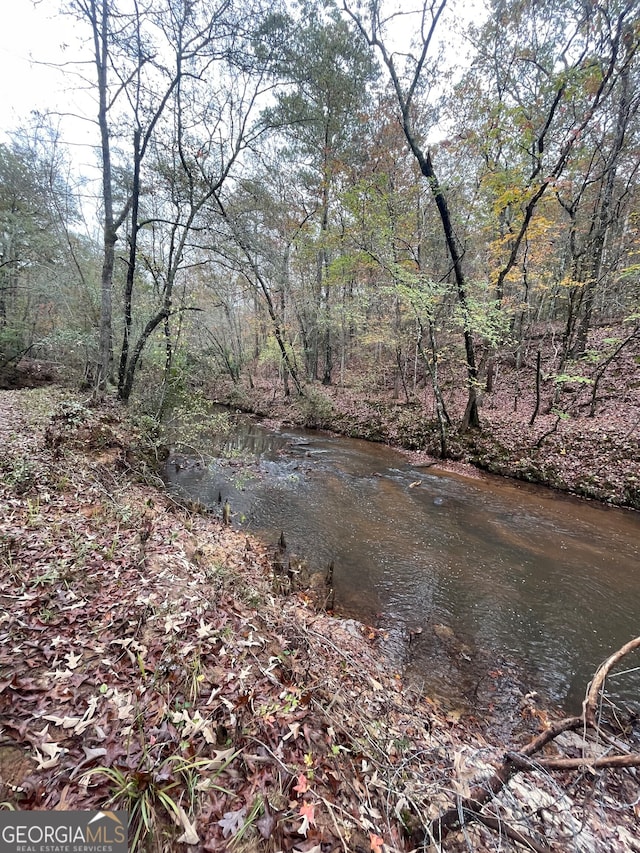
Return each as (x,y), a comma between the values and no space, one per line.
(144,651)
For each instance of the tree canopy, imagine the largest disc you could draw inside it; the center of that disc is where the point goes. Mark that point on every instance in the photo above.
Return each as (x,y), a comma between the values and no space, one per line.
(322,191)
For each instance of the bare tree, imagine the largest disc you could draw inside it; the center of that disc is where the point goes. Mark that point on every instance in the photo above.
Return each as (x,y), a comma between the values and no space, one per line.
(212,122)
(407,79)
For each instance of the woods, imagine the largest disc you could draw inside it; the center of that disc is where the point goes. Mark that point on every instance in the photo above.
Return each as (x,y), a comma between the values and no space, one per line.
(411,222)
(320,193)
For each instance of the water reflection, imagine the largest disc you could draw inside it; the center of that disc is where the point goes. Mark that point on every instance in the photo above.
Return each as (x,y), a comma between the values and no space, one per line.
(513,572)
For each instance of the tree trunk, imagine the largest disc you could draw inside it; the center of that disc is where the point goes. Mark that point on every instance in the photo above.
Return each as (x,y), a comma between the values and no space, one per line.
(432,366)
(323,273)
(131,266)
(148,330)
(603,216)
(101,48)
(471,417)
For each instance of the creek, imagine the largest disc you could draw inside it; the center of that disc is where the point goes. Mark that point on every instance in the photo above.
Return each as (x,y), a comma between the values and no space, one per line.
(469,578)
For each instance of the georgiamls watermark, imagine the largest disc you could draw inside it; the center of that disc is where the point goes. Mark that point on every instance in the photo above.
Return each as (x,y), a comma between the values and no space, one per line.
(64,832)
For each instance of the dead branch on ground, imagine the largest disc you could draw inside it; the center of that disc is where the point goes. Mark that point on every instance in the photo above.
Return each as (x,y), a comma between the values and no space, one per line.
(469,809)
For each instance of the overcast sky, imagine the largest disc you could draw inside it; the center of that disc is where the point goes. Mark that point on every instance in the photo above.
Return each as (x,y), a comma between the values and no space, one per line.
(28,34)
(33,40)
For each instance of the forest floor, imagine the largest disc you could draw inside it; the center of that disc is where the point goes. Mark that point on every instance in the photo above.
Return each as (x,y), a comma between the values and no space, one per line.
(584,438)
(153,659)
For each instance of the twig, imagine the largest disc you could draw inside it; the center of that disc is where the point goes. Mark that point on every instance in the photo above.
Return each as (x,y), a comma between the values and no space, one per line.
(335,822)
(272,754)
(483,793)
(471,806)
(510,832)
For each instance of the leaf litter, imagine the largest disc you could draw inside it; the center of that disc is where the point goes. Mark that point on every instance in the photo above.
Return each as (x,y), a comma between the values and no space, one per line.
(148,662)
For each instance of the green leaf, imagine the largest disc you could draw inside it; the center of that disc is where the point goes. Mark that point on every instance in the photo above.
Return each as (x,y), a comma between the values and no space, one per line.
(565,377)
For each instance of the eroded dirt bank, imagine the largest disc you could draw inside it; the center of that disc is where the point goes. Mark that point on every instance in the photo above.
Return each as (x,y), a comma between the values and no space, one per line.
(150,660)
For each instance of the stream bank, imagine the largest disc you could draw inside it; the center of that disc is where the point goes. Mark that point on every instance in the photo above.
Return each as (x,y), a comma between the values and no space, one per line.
(591,457)
(147,662)
(465,576)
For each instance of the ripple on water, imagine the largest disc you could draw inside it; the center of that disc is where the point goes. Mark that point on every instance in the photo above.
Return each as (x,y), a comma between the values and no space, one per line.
(519,572)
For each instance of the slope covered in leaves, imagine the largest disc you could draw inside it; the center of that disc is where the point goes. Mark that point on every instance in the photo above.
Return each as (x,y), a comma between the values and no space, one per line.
(578,433)
(144,655)
(146,662)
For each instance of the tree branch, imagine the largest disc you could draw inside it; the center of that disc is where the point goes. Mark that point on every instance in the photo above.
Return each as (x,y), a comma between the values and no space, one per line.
(593,693)
(470,808)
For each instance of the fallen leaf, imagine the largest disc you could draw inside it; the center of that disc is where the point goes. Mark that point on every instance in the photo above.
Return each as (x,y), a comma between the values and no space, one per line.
(65,722)
(73,659)
(303,784)
(189,836)
(62,673)
(64,804)
(307,813)
(90,755)
(53,751)
(294,731)
(267,822)
(78,724)
(376,843)
(220,757)
(232,822)
(205,631)
(173,623)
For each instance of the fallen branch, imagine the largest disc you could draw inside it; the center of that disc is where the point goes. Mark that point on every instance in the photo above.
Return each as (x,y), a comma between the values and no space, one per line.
(549,432)
(482,794)
(593,693)
(607,761)
(470,808)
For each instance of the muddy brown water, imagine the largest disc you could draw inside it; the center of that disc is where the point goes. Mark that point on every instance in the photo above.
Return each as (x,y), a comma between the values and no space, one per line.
(468,578)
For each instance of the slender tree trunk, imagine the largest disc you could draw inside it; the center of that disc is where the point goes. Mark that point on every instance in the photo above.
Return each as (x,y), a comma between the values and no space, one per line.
(101,48)
(148,330)
(603,216)
(131,267)
(432,367)
(7,276)
(283,305)
(405,99)
(276,322)
(471,417)
(323,274)
(534,414)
